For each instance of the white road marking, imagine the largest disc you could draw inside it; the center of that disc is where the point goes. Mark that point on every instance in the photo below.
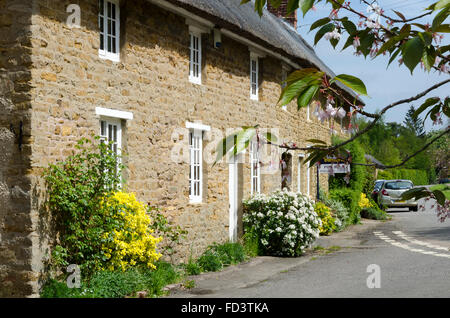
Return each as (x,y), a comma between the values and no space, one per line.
(417,242)
(409,248)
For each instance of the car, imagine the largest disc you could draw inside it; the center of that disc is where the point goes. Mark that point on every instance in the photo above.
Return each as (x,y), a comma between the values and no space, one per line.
(444,181)
(376,189)
(391,192)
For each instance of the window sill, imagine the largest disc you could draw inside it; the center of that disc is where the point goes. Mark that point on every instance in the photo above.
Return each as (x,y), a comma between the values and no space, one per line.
(255,98)
(196,81)
(107,56)
(195,202)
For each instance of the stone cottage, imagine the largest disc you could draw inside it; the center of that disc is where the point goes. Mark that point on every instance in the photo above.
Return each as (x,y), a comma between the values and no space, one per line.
(148,75)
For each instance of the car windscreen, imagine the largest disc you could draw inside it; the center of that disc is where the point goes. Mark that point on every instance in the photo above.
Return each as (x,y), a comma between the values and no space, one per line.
(398,185)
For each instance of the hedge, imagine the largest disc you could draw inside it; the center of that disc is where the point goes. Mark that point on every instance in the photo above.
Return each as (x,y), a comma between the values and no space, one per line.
(418,177)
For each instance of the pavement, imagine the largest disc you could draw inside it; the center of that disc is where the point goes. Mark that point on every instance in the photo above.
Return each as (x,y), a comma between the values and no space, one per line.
(260,269)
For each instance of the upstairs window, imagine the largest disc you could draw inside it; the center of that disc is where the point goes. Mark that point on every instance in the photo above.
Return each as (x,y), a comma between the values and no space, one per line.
(109,24)
(254,69)
(195,65)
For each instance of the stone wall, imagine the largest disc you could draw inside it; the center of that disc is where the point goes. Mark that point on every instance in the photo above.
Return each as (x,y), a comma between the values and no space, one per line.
(69,80)
(17,275)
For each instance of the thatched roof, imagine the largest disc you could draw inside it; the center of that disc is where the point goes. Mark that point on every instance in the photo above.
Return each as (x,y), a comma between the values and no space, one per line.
(270,31)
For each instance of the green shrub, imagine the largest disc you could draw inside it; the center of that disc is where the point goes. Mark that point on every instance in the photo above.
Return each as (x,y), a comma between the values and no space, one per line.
(116,284)
(340,212)
(76,187)
(328,222)
(374,214)
(349,199)
(250,243)
(284,222)
(210,261)
(192,267)
(218,256)
(358,174)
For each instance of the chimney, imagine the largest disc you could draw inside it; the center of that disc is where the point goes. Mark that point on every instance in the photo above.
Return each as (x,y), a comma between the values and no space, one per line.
(281,13)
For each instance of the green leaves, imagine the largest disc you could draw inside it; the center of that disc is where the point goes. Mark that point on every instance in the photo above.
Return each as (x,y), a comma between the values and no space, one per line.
(439,5)
(325,29)
(305,98)
(429,102)
(415,193)
(412,52)
(236,143)
(440,196)
(440,17)
(302,84)
(422,192)
(319,23)
(352,82)
(305,5)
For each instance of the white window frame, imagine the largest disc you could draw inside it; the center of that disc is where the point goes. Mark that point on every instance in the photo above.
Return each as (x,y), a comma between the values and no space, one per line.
(195,75)
(301,157)
(284,76)
(254,81)
(196,131)
(255,169)
(195,162)
(107,136)
(113,117)
(105,53)
(308,181)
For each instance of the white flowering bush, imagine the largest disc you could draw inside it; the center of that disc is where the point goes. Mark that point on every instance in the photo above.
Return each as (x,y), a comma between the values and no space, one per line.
(284,222)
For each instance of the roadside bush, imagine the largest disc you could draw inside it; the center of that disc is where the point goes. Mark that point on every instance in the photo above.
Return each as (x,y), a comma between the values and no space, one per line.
(218,256)
(364,201)
(349,199)
(328,222)
(374,214)
(284,222)
(250,243)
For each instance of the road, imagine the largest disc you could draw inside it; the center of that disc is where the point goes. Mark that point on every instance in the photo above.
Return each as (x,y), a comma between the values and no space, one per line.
(412,253)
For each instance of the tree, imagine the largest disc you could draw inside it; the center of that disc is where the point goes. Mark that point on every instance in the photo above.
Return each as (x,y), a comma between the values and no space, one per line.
(413,123)
(401,37)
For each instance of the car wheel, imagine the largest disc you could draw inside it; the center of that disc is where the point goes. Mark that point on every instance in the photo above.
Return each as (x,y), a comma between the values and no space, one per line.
(414,208)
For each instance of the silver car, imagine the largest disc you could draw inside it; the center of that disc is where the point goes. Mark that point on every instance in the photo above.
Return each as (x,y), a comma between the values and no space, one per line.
(391,192)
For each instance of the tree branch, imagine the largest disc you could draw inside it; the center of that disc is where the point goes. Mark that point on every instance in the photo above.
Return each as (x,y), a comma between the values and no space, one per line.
(401,21)
(376,117)
(383,167)
(385,109)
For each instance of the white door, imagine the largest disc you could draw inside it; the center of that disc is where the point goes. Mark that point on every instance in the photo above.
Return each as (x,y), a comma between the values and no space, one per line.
(233,194)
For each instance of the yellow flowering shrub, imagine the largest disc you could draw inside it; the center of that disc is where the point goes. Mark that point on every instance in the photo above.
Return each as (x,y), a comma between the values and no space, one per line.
(364,201)
(328,222)
(131,242)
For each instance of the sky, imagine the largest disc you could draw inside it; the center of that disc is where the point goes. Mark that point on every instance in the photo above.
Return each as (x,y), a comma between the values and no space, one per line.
(384,86)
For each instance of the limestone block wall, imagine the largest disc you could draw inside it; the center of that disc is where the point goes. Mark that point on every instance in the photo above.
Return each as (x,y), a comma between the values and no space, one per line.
(17,275)
(56,70)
